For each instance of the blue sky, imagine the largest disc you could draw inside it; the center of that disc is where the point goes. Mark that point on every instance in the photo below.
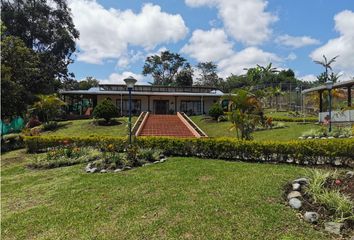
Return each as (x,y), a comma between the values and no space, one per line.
(116,36)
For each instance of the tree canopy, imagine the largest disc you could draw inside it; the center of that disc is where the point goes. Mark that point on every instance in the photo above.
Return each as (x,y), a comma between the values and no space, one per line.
(208,74)
(37,42)
(167,67)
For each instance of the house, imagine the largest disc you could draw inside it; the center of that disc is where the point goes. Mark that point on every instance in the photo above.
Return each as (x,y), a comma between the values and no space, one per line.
(194,100)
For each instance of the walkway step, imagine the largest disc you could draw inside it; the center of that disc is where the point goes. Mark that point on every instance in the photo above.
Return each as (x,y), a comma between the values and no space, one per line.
(165,125)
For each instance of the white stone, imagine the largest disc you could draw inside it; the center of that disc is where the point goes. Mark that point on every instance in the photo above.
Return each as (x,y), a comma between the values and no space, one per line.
(117,170)
(330,137)
(309,137)
(333,227)
(349,174)
(295,203)
(341,136)
(323,138)
(127,168)
(294,194)
(93,170)
(301,181)
(311,217)
(296,186)
(103,171)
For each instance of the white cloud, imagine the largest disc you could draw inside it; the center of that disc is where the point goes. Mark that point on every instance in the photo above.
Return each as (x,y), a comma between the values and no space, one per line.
(209,45)
(118,78)
(246,21)
(107,33)
(292,56)
(342,46)
(308,78)
(296,42)
(246,58)
(130,57)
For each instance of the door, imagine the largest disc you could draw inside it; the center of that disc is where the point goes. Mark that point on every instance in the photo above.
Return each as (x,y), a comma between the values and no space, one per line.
(161,106)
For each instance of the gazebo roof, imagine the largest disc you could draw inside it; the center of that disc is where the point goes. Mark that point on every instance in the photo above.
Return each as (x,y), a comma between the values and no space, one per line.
(349,83)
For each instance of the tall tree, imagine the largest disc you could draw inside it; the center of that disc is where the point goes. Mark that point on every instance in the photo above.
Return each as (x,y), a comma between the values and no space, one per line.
(185,77)
(208,74)
(165,67)
(327,65)
(19,65)
(49,31)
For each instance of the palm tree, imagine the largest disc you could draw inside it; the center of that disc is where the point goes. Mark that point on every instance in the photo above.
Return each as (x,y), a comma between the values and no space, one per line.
(326,64)
(48,106)
(245,115)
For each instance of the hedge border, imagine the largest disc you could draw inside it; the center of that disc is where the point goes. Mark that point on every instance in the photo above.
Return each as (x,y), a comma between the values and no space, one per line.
(338,152)
(295,119)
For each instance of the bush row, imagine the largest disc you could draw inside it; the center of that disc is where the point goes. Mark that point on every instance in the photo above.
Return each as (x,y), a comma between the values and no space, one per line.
(312,152)
(295,119)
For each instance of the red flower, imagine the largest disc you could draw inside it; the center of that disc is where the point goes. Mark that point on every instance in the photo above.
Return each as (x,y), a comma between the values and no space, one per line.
(338,182)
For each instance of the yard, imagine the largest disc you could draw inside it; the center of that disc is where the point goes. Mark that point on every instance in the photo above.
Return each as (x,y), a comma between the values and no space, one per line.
(293,130)
(86,128)
(183,198)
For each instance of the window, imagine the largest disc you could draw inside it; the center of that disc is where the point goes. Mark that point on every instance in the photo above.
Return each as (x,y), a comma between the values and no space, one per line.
(136,106)
(191,107)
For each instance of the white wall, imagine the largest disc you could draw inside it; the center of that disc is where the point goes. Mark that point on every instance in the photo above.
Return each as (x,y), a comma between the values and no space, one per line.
(338,116)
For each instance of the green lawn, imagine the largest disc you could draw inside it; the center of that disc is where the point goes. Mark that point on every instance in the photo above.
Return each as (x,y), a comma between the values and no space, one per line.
(183,198)
(85,128)
(222,129)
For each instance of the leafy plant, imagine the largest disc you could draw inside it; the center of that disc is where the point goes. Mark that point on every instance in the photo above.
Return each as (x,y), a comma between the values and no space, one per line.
(149,154)
(48,107)
(50,126)
(216,111)
(105,110)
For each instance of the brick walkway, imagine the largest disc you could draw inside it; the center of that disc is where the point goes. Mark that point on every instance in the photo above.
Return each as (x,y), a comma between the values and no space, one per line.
(165,125)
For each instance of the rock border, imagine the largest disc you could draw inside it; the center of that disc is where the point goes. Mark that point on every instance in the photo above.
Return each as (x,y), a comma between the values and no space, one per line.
(90,169)
(295,199)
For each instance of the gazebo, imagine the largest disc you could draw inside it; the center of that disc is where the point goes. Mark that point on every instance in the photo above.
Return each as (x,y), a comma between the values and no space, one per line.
(345,115)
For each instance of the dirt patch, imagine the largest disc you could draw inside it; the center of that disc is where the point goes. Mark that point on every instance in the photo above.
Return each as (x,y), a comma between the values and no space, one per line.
(205,178)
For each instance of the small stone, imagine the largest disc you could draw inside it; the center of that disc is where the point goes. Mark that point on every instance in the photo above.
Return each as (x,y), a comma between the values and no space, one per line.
(323,138)
(93,170)
(296,186)
(103,171)
(162,156)
(337,162)
(117,170)
(331,137)
(317,137)
(162,160)
(301,181)
(333,227)
(349,174)
(309,137)
(294,194)
(311,217)
(156,162)
(351,137)
(147,164)
(341,136)
(301,137)
(295,203)
(127,168)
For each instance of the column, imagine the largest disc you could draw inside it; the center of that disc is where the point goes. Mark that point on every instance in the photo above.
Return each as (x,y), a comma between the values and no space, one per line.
(349,96)
(321,104)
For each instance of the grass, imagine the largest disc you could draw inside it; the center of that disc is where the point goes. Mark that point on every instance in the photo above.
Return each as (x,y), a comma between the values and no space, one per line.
(85,128)
(292,131)
(183,198)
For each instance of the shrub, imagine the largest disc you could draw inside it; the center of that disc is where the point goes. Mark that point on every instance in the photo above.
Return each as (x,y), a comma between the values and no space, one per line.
(149,154)
(294,119)
(50,126)
(11,142)
(105,110)
(216,111)
(328,151)
(64,156)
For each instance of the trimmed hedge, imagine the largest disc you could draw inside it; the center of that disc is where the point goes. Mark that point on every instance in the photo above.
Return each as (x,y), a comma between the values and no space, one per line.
(309,152)
(295,119)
